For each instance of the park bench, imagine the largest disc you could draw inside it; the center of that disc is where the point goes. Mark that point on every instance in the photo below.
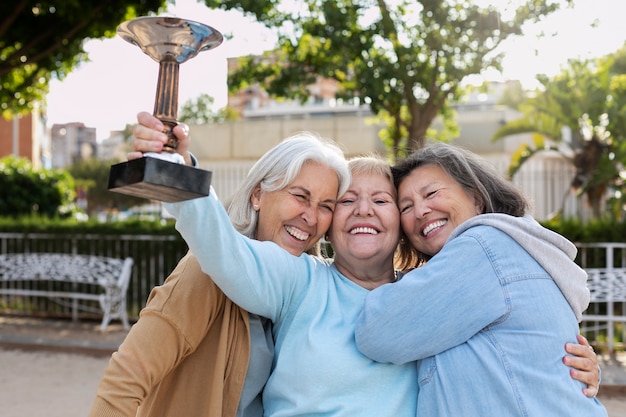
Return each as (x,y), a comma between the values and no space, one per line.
(63,276)
(607,284)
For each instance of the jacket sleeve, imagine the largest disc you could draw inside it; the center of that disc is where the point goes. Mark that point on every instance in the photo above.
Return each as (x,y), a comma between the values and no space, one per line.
(170,327)
(432,308)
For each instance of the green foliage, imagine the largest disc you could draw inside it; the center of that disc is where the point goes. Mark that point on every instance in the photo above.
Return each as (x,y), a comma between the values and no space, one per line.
(92,177)
(25,190)
(43,39)
(596,230)
(38,224)
(588,97)
(402,58)
(199,111)
(526,151)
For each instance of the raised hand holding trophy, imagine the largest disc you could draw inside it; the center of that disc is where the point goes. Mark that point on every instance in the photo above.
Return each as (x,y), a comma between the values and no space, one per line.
(170,41)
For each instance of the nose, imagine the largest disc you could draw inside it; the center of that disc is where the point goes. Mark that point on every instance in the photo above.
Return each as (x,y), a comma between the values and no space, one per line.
(363,208)
(310,214)
(421,209)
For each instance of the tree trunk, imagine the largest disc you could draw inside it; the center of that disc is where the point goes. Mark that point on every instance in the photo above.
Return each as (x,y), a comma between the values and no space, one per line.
(422,117)
(586,161)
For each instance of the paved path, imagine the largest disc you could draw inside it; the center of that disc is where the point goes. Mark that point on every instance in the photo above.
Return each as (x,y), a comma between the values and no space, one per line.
(51,368)
(48,384)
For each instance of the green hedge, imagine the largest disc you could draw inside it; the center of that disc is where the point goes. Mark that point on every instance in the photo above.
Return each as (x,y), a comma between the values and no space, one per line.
(591,231)
(40,224)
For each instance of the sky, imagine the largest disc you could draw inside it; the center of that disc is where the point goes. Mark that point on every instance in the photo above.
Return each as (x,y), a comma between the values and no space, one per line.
(120,80)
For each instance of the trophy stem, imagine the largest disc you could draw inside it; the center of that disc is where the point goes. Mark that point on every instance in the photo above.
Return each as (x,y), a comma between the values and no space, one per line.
(166,101)
(170,41)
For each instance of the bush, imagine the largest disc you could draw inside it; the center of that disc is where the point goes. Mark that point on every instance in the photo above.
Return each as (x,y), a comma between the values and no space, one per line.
(598,230)
(25,190)
(38,224)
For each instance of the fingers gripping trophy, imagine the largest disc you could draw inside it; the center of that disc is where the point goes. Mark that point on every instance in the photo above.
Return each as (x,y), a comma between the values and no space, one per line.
(170,41)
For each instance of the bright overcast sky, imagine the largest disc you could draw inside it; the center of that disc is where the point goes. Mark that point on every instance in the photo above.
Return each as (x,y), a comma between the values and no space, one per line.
(120,80)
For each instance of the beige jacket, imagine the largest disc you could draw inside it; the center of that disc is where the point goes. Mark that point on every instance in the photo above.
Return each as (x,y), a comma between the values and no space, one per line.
(186,356)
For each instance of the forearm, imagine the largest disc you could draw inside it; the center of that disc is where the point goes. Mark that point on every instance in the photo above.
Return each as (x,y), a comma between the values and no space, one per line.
(253,274)
(432,308)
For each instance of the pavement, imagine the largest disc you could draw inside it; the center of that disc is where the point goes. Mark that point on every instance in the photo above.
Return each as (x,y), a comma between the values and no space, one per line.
(64,335)
(84,339)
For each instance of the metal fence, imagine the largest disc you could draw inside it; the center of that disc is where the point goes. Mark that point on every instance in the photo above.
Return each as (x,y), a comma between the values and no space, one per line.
(604,322)
(154,256)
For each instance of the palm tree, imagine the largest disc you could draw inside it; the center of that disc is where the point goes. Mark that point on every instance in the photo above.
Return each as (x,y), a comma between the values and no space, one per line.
(570,102)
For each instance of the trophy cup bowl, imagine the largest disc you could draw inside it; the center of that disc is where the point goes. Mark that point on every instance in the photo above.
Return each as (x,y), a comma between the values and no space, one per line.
(170,41)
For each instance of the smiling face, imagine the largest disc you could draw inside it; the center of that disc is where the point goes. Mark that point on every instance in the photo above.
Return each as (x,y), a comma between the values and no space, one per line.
(432,204)
(366,224)
(297,216)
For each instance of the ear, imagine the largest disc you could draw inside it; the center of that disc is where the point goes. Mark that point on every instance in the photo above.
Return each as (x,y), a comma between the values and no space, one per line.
(255,197)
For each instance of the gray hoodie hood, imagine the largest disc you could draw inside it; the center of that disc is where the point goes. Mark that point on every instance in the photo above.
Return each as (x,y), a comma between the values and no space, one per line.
(551,250)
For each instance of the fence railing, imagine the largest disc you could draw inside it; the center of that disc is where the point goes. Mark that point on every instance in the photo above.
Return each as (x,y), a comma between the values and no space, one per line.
(604,322)
(155,256)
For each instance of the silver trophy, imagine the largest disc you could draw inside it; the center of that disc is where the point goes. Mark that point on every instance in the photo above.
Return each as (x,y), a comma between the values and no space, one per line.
(170,41)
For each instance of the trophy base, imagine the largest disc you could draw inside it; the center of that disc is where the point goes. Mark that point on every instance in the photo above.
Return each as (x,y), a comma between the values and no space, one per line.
(157,179)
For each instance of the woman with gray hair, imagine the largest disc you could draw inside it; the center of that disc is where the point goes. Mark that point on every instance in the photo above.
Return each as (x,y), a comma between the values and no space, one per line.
(488,313)
(193,352)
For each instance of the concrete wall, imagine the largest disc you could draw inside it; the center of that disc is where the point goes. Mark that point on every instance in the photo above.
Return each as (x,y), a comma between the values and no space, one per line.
(249,139)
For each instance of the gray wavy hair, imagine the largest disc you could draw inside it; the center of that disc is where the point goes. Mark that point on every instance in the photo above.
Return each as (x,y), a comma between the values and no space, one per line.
(492,191)
(278,167)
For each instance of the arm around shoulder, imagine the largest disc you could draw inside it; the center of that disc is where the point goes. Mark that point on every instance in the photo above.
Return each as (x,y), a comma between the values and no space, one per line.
(432,308)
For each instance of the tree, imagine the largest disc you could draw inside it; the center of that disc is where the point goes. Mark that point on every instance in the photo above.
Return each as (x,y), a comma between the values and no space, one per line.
(616,113)
(42,39)
(405,59)
(92,178)
(587,99)
(199,111)
(25,190)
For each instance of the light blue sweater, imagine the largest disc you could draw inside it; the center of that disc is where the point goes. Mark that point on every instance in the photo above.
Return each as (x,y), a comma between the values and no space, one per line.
(317,368)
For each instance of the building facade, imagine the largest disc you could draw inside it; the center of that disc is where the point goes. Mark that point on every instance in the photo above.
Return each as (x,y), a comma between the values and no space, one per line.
(72,143)
(25,137)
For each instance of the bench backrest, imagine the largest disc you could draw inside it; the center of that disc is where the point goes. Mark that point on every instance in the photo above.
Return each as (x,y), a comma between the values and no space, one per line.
(62,267)
(607,284)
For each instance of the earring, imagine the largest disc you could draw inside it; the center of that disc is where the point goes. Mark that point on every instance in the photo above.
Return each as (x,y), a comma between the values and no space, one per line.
(255,207)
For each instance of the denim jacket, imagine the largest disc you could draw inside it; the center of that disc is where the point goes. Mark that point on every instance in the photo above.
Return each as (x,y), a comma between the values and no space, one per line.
(487,324)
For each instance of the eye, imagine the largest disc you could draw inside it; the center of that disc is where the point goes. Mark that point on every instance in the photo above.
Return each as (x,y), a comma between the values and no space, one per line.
(432,193)
(300,197)
(346,201)
(381,201)
(328,207)
(405,208)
